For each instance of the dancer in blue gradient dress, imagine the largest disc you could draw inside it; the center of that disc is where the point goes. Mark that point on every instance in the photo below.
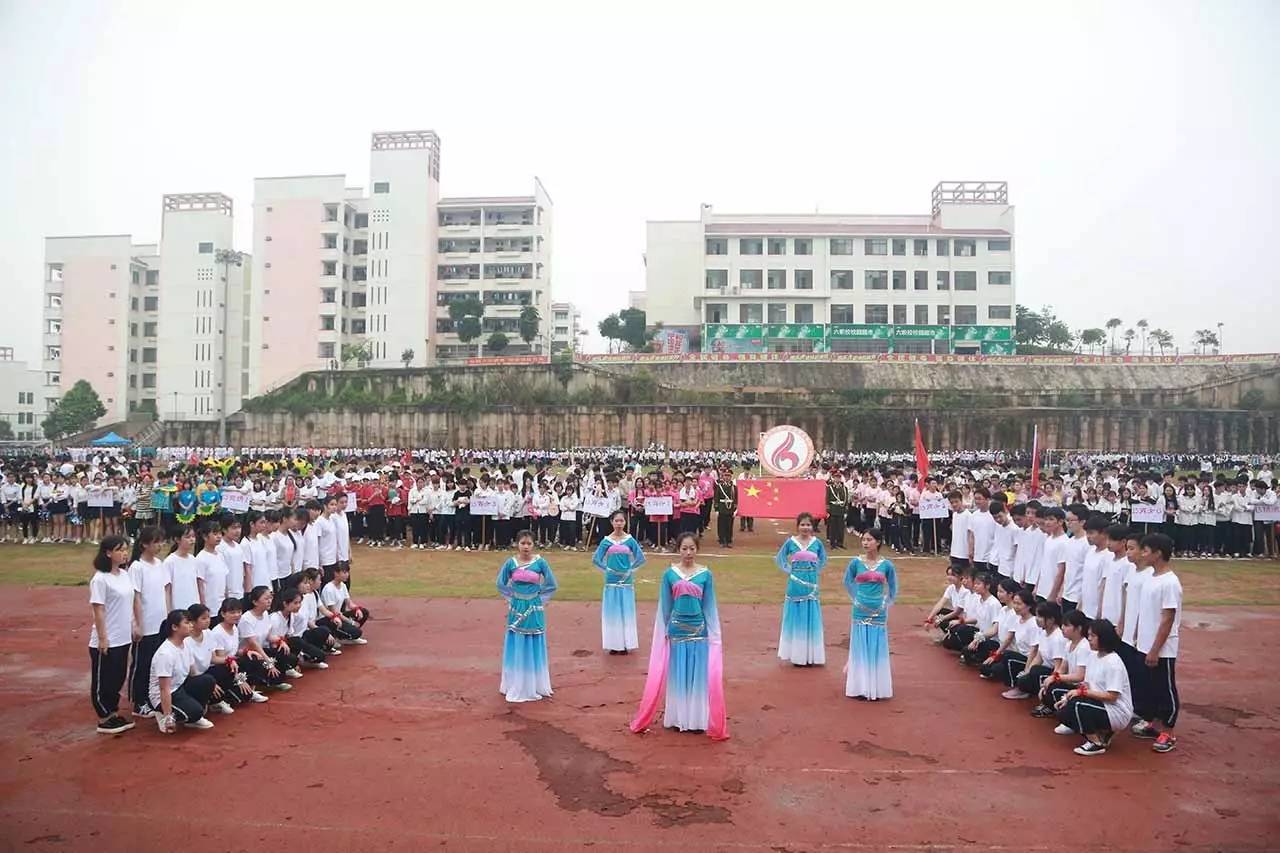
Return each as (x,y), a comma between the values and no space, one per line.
(802,557)
(872,583)
(618,556)
(527,583)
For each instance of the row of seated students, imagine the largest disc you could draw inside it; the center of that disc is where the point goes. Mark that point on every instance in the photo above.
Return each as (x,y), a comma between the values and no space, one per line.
(1096,669)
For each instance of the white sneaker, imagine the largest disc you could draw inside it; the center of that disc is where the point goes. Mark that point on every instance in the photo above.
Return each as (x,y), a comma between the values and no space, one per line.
(320,665)
(292,673)
(358,641)
(335,651)
(222,708)
(255,696)
(284,687)
(1062,729)
(202,723)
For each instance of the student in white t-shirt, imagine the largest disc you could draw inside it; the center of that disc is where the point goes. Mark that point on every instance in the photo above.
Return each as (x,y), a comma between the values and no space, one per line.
(1045,656)
(211,569)
(1071,667)
(232,551)
(1075,551)
(1006,662)
(201,646)
(338,600)
(1053,558)
(960,523)
(948,606)
(1159,617)
(288,626)
(150,581)
(266,663)
(180,571)
(1103,704)
(226,665)
(113,604)
(981,610)
(320,617)
(176,694)
(281,546)
(989,640)
(1093,569)
(1115,567)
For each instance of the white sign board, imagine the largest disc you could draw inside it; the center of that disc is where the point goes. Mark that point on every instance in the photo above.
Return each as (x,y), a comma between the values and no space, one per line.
(484,505)
(233,501)
(103,499)
(935,508)
(351,502)
(1266,513)
(657,506)
(597,505)
(1147,513)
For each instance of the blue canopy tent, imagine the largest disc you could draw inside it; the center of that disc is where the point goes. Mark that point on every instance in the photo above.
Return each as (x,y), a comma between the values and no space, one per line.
(111,440)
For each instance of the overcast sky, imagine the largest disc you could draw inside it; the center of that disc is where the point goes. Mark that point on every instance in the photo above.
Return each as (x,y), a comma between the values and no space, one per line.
(1139,140)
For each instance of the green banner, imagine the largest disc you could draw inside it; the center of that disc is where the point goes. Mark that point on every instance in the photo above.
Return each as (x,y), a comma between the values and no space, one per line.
(796,331)
(737,331)
(859,331)
(983,333)
(999,348)
(931,333)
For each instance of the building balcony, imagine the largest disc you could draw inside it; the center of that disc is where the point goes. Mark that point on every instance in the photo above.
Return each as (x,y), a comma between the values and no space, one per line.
(51,339)
(328,309)
(52,312)
(52,286)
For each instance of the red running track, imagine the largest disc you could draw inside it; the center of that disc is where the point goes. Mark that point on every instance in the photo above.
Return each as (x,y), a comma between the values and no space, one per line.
(406,744)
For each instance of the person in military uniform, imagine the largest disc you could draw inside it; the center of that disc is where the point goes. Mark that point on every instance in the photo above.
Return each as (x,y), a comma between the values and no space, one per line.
(837,506)
(724,497)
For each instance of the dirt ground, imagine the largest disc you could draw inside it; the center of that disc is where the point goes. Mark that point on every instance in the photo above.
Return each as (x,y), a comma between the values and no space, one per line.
(406,744)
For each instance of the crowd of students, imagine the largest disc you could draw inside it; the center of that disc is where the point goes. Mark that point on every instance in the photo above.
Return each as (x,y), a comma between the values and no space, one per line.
(1071,611)
(202,619)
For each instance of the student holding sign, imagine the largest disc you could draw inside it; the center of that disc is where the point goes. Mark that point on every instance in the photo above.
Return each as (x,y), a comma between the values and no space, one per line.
(618,556)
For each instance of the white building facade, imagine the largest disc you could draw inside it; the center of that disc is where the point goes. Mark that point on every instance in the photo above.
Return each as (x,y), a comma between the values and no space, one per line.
(932,283)
(22,404)
(566,327)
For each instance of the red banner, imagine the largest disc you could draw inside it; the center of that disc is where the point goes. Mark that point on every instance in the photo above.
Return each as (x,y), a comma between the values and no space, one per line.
(781,498)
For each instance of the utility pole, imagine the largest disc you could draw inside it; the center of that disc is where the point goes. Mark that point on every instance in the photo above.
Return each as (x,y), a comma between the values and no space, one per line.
(228,258)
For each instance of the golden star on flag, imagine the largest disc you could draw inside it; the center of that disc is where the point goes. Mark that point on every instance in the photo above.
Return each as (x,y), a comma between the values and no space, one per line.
(753,492)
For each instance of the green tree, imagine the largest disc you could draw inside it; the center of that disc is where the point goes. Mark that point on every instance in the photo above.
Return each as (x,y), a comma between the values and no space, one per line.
(1142,330)
(467,315)
(77,411)
(1113,324)
(6,431)
(629,328)
(497,342)
(530,323)
(1092,338)
(1030,328)
(1058,336)
(1205,338)
(1129,335)
(610,329)
(406,357)
(1162,339)
(356,353)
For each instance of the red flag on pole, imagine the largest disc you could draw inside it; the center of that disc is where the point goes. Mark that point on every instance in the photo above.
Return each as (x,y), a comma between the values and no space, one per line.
(922,455)
(1035,461)
(780,498)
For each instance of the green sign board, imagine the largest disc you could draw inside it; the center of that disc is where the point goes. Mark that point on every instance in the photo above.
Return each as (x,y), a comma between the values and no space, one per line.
(859,331)
(983,333)
(734,331)
(797,331)
(749,331)
(998,348)
(929,333)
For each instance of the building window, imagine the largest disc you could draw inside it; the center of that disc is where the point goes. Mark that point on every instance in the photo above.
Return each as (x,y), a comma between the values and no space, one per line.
(777,245)
(900,315)
(148,380)
(750,313)
(133,303)
(362,220)
(943,248)
(151,303)
(966,315)
(803,246)
(877,313)
(842,313)
(841,246)
(205,248)
(148,330)
(802,313)
(899,246)
(153,277)
(876,279)
(717,279)
(944,315)
(921,278)
(899,279)
(751,279)
(997,245)
(777,312)
(330,213)
(842,279)
(330,241)
(326,324)
(327,294)
(922,315)
(148,355)
(966,248)
(999,312)
(802,279)
(328,267)
(381,187)
(717,246)
(717,312)
(777,280)
(943,279)
(999,277)
(920,248)
(750,246)
(966,280)
(133,330)
(875,246)
(325,349)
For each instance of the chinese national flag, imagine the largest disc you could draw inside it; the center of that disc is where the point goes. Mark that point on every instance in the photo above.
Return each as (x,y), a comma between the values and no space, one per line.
(782,498)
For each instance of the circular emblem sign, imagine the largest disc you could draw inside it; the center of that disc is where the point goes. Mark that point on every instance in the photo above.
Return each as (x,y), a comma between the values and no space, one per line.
(785,451)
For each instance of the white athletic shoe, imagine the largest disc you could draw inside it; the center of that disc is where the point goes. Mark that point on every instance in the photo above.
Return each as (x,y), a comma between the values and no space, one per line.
(319,665)
(334,651)
(284,687)
(222,708)
(358,641)
(202,723)
(292,673)
(1062,729)
(255,696)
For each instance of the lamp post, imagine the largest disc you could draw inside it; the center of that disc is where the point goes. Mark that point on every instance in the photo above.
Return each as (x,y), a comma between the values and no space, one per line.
(228,258)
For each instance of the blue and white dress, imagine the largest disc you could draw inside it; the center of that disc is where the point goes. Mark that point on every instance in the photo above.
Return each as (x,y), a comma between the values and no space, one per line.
(527,587)
(618,559)
(873,589)
(800,640)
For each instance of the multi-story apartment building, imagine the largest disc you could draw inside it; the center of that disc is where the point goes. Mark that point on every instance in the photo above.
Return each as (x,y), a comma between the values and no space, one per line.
(99,321)
(22,404)
(496,250)
(566,326)
(941,282)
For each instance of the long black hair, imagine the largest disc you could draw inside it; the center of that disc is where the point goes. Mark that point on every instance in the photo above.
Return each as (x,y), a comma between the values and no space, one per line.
(102,559)
(146,536)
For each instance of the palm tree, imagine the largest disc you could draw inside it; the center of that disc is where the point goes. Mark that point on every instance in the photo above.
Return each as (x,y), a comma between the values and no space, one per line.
(1093,338)
(1162,339)
(1205,338)
(1113,324)
(529,324)
(1129,335)
(1142,328)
